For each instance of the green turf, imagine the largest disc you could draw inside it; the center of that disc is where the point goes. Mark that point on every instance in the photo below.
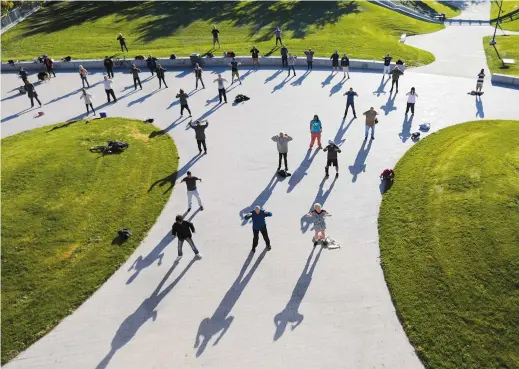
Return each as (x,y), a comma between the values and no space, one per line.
(89,30)
(507,7)
(61,209)
(508,48)
(449,10)
(449,241)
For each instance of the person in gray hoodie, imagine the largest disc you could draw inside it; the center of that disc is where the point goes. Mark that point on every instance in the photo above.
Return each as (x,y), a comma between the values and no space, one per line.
(282,141)
(135,72)
(199,129)
(182,96)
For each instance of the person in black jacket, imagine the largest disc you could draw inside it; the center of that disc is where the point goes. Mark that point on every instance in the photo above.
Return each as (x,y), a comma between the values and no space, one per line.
(136,79)
(151,63)
(31,92)
(255,56)
(335,61)
(122,41)
(345,65)
(160,75)
(332,149)
(199,129)
(284,56)
(23,74)
(182,229)
(109,65)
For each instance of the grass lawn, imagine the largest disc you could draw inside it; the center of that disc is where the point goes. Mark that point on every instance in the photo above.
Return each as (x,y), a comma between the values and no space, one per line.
(61,208)
(450,11)
(508,47)
(449,245)
(507,7)
(89,29)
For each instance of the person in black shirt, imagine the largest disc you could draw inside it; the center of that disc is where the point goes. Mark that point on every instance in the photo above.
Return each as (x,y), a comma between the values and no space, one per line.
(183,229)
(332,149)
(345,65)
(387,63)
(255,56)
(199,129)
(31,93)
(198,75)
(192,191)
(284,56)
(151,63)
(109,65)
(122,41)
(160,75)
(216,38)
(335,61)
(234,68)
(135,73)
(23,74)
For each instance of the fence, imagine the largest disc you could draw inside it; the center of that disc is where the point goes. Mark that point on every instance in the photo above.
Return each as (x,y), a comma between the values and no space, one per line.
(18,14)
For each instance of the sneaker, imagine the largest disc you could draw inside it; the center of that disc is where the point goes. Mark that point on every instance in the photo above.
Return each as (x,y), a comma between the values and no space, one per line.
(201,208)
(365,138)
(189,209)
(354,117)
(253,249)
(199,256)
(200,152)
(325,243)
(279,168)
(315,243)
(336,175)
(178,258)
(205,152)
(269,248)
(372,137)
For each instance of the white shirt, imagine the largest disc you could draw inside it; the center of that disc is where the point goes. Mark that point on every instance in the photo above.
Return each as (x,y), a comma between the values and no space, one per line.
(220,83)
(108,84)
(292,60)
(87,97)
(411,98)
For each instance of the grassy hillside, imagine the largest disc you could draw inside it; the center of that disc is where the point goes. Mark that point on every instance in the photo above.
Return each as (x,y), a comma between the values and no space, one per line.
(508,48)
(507,7)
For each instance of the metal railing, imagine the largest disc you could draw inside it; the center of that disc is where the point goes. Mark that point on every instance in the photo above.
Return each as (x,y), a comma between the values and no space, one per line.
(16,15)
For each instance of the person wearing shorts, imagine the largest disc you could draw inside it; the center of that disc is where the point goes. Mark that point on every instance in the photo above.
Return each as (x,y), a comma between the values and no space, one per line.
(481,78)
(332,150)
(345,65)
(255,56)
(234,68)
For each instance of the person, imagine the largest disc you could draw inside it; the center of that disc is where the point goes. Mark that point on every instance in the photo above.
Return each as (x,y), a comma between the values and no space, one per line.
(331,159)
(282,141)
(192,191)
(216,37)
(198,76)
(350,102)
(318,214)
(234,68)
(291,64)
(335,61)
(278,36)
(183,230)
(88,100)
(108,83)
(183,102)
(259,225)
(135,72)
(255,56)
(122,41)
(31,93)
(23,74)
(199,129)
(221,88)
(481,78)
(309,59)
(387,63)
(315,131)
(151,63)
(161,74)
(411,100)
(50,66)
(83,73)
(284,56)
(345,65)
(395,75)
(109,65)
(371,116)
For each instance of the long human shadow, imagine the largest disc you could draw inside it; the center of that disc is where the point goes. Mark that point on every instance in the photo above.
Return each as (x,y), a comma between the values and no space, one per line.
(301,170)
(63,97)
(210,111)
(406,128)
(175,123)
(291,314)
(359,165)
(320,198)
(479,107)
(145,311)
(261,199)
(390,104)
(328,79)
(16,115)
(337,87)
(339,140)
(221,319)
(300,80)
(282,84)
(119,98)
(380,89)
(143,98)
(272,77)
(172,178)
(13,96)
(246,74)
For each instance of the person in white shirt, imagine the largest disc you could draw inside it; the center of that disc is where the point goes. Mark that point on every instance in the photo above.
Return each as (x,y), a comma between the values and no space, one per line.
(83,73)
(411,100)
(221,88)
(108,88)
(291,63)
(88,100)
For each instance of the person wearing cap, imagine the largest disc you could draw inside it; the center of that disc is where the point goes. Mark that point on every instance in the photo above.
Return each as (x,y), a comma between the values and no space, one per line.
(282,141)
(184,230)
(192,190)
(318,214)
(182,96)
(259,225)
(199,129)
(332,150)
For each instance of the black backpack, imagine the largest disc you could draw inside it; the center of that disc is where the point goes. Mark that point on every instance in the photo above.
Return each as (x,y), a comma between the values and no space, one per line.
(240,98)
(172,56)
(149,120)
(283,173)
(139,57)
(124,234)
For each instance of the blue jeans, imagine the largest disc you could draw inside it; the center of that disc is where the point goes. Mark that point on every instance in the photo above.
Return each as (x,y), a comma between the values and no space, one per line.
(190,242)
(372,130)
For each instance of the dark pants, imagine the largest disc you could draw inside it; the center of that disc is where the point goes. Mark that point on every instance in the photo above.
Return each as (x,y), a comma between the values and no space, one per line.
(265,235)
(51,70)
(199,79)
(182,107)
(34,97)
(190,242)
(152,71)
(123,46)
(221,92)
(278,39)
(410,106)
(161,79)
(201,143)
(291,68)
(394,82)
(109,93)
(110,72)
(310,64)
(352,108)
(284,156)
(284,61)
(83,80)
(135,80)
(91,107)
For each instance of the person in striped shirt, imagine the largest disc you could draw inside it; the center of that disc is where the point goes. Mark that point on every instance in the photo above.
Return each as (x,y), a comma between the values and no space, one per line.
(481,77)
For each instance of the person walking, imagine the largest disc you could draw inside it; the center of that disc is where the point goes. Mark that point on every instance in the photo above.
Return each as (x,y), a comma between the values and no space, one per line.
(255,56)
(411,100)
(309,59)
(291,64)
(387,64)
(109,65)
(316,129)
(50,66)
(23,75)
(136,79)
(345,65)
(371,120)
(278,36)
(259,225)
(350,102)
(184,230)
(216,36)
(108,83)
(192,190)
(122,42)
(335,61)
(31,93)
(234,68)
(88,100)
(331,159)
(161,74)
(481,78)
(221,88)
(282,141)
(284,56)
(198,76)
(319,214)
(151,63)
(182,96)
(395,75)
(199,129)
(83,73)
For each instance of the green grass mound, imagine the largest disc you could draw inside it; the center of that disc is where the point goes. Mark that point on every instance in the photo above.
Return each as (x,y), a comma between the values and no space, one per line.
(508,6)
(61,209)
(449,10)
(508,48)
(361,29)
(449,241)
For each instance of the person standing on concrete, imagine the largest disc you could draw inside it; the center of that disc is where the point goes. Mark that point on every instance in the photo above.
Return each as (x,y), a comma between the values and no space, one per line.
(335,61)
(234,69)
(395,75)
(371,117)
(88,100)
(387,64)
(309,59)
(122,42)
(221,88)
(345,65)
(284,56)
(318,214)
(161,74)
(278,36)
(199,129)
(411,100)
(108,83)
(198,76)
(331,159)
(31,93)
(481,78)
(151,63)
(291,64)
(182,96)
(316,128)
(192,191)
(259,225)
(350,102)
(255,56)
(183,230)
(23,74)
(282,141)
(135,72)
(83,73)
(50,66)
(109,65)
(216,36)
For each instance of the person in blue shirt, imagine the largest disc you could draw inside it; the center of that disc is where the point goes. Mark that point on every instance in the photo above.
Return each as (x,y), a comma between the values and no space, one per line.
(259,225)
(315,130)
(350,102)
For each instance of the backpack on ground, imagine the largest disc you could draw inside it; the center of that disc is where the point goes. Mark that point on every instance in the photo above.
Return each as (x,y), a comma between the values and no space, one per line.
(149,120)
(240,98)
(332,243)
(124,234)
(140,57)
(43,76)
(172,57)
(283,173)
(117,146)
(415,136)
(425,127)
(387,175)
(67,58)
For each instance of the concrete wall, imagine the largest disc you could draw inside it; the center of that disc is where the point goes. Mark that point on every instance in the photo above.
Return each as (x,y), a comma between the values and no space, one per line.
(504,79)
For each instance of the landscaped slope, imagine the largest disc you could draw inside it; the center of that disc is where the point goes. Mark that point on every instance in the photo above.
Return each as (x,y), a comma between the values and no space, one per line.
(508,47)
(507,7)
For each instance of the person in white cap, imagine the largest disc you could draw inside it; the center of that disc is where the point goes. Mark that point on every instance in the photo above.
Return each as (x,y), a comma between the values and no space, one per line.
(332,150)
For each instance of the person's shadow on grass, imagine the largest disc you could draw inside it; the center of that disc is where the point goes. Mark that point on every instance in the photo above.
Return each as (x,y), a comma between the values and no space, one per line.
(261,199)
(406,128)
(360,166)
(390,104)
(301,170)
(172,178)
(320,198)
